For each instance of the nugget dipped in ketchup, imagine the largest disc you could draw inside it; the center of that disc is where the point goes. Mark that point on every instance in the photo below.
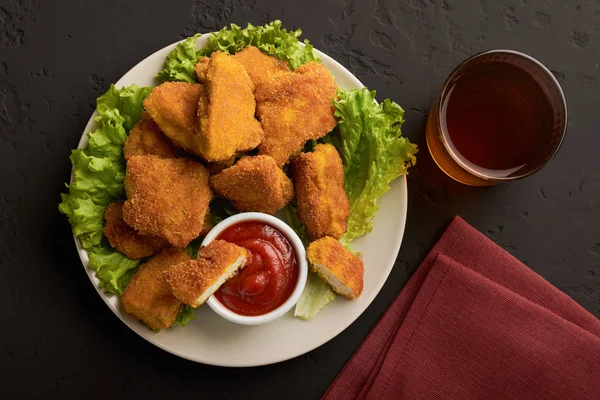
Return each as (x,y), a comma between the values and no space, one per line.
(251,268)
(270,273)
(194,281)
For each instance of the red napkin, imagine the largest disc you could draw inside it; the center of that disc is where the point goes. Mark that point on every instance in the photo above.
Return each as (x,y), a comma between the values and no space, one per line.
(475,323)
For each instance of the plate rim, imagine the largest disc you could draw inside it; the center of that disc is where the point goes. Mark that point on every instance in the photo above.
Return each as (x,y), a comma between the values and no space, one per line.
(83,254)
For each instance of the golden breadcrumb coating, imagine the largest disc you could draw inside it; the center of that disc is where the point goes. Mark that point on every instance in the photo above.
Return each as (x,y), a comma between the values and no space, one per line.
(201,68)
(174,108)
(338,266)
(260,67)
(150,299)
(254,184)
(322,202)
(293,108)
(194,281)
(227,123)
(147,138)
(125,239)
(167,197)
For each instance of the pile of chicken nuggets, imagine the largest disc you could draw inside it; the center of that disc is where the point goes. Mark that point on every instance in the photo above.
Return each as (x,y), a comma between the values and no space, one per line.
(230,135)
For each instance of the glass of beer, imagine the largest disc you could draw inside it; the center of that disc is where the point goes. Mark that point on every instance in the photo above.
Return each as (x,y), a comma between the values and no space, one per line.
(501,116)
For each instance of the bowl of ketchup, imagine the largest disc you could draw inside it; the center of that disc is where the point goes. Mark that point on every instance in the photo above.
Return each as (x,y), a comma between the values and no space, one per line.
(274,275)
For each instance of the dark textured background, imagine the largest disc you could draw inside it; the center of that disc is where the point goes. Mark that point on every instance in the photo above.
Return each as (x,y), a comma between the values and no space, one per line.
(59,340)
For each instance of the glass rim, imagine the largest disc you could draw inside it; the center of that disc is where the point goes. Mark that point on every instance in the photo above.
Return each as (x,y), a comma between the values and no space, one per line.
(444,135)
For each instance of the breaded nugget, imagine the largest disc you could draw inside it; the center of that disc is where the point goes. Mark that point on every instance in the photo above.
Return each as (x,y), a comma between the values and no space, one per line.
(227,123)
(322,202)
(260,67)
(337,266)
(254,184)
(150,299)
(167,197)
(201,68)
(174,108)
(147,138)
(293,108)
(125,239)
(193,282)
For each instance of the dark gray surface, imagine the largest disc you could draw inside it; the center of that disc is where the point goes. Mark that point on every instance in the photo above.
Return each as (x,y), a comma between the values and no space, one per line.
(59,340)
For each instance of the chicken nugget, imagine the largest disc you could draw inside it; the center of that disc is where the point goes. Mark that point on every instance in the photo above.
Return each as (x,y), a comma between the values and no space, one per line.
(201,68)
(174,108)
(150,299)
(260,67)
(254,184)
(125,239)
(293,108)
(227,123)
(167,197)
(193,282)
(337,266)
(147,138)
(322,202)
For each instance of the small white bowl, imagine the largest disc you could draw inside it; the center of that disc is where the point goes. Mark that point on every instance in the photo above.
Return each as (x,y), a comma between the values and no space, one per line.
(299,251)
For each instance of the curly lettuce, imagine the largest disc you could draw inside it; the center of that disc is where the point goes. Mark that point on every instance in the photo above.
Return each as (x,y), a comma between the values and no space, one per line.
(271,39)
(113,269)
(373,153)
(185,315)
(181,62)
(98,173)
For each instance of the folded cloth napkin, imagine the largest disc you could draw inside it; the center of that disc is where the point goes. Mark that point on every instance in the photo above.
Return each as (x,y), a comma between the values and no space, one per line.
(475,323)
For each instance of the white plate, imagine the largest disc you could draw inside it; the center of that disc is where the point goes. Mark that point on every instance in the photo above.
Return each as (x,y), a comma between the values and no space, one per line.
(210,339)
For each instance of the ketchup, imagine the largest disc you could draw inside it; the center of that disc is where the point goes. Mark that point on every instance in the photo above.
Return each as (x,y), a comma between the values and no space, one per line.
(270,274)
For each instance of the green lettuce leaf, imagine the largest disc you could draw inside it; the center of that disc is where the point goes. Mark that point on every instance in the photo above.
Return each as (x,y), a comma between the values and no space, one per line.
(373,152)
(181,62)
(98,172)
(85,217)
(113,269)
(100,178)
(185,315)
(125,103)
(316,295)
(271,39)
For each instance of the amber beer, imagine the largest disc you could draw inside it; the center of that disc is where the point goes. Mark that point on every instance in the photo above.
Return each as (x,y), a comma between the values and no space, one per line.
(501,116)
